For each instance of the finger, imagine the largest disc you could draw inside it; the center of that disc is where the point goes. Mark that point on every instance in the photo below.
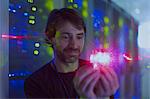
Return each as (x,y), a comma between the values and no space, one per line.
(105,81)
(114,82)
(90,86)
(89,79)
(108,76)
(111,80)
(80,76)
(99,90)
(114,76)
(82,87)
(83,69)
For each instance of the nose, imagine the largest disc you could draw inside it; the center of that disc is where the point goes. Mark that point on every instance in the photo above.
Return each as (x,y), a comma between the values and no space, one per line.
(73,43)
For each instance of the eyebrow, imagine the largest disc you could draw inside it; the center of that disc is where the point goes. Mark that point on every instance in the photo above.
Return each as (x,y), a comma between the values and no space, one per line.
(71,33)
(80,34)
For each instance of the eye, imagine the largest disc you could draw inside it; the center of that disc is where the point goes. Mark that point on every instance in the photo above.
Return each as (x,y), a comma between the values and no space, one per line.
(65,37)
(80,37)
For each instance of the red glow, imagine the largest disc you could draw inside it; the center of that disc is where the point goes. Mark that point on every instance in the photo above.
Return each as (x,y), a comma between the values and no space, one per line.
(127,57)
(13,37)
(138,58)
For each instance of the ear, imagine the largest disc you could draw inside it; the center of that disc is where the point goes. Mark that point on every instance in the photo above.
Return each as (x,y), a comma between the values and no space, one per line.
(52,40)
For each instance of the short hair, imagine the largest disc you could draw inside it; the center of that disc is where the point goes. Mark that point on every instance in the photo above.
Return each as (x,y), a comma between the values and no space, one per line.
(58,17)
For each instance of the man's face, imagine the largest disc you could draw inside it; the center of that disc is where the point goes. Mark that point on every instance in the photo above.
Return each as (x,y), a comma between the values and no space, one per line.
(68,43)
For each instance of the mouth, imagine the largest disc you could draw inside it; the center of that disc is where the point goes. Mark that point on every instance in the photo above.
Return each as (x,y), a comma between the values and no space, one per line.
(72,53)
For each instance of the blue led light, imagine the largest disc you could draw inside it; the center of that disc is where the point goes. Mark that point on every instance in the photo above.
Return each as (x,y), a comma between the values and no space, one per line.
(19,6)
(12,74)
(9,75)
(25,14)
(14,11)
(21,74)
(14,28)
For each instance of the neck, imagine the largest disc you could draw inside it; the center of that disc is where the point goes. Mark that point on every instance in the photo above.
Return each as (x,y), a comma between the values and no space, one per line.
(65,67)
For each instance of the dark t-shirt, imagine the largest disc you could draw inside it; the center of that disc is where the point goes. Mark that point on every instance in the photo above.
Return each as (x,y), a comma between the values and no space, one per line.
(47,83)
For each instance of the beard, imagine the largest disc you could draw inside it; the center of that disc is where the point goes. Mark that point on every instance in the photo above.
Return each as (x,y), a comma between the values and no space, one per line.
(68,55)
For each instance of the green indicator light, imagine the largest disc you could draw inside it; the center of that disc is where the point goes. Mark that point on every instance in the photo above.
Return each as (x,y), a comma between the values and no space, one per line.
(30,1)
(50,51)
(37,44)
(70,1)
(34,9)
(120,22)
(49,4)
(106,19)
(36,52)
(85,13)
(75,5)
(32,17)
(31,21)
(71,7)
(106,31)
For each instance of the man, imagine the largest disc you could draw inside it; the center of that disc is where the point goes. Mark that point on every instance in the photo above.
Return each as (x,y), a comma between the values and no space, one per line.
(67,76)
